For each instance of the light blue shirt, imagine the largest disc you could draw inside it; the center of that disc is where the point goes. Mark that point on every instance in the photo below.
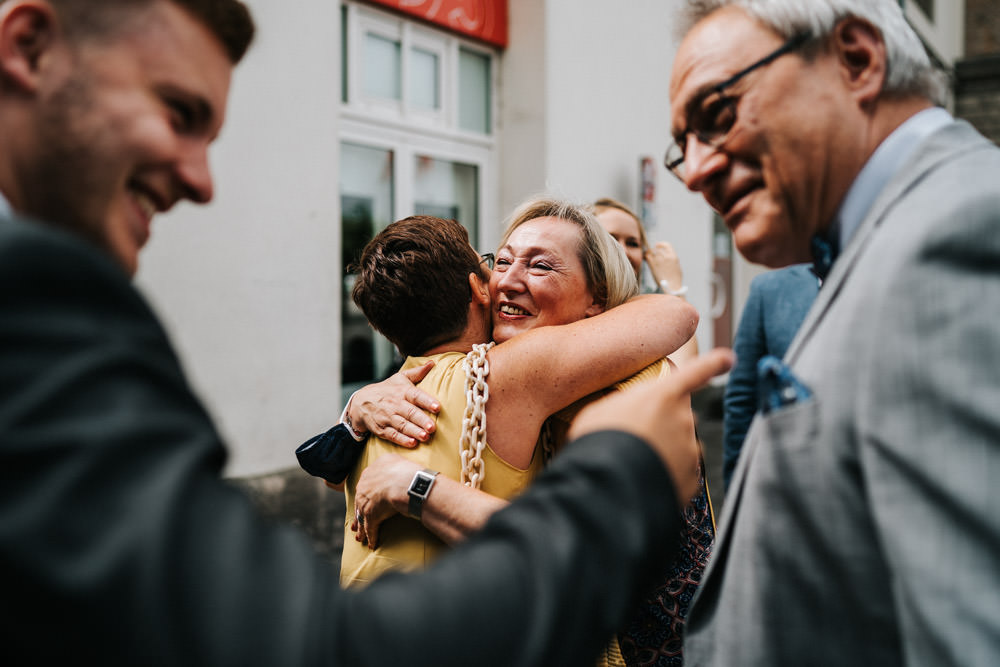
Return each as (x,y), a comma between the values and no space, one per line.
(887,159)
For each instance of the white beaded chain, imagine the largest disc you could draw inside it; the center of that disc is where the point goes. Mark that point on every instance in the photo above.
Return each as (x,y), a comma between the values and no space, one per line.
(477,393)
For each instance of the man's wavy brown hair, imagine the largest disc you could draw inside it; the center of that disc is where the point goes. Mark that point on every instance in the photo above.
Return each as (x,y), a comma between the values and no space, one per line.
(413,282)
(228,20)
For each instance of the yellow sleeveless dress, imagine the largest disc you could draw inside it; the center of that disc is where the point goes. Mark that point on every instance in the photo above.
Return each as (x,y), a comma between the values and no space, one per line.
(404,544)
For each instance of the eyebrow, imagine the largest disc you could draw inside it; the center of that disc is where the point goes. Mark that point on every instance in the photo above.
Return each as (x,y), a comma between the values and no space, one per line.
(700,94)
(204,112)
(532,250)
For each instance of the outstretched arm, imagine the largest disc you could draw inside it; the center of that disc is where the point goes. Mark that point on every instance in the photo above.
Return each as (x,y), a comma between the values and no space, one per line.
(453,511)
(537,373)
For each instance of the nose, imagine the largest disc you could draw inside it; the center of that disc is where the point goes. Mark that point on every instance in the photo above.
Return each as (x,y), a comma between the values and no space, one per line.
(702,163)
(511,279)
(194,173)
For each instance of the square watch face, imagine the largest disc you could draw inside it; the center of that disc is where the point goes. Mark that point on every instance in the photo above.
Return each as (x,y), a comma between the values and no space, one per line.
(421,484)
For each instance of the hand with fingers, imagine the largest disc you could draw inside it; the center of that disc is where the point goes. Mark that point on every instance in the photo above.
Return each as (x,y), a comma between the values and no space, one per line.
(665,265)
(660,413)
(380,494)
(396,409)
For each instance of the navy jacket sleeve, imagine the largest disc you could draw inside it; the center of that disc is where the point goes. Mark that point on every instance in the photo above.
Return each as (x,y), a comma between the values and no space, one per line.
(739,402)
(331,455)
(120,542)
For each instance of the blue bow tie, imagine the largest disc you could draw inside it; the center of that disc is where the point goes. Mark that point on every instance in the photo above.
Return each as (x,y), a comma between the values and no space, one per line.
(824,254)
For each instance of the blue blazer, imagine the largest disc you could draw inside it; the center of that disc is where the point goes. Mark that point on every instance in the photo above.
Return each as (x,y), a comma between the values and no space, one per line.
(776,306)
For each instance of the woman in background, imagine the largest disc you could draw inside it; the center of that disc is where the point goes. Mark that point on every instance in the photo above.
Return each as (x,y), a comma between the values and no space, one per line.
(623,224)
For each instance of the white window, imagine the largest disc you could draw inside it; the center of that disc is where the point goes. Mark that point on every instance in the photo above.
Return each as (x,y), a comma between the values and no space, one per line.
(417,137)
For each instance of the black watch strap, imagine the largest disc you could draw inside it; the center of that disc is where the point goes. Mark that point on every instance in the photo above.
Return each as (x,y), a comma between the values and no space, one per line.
(419,489)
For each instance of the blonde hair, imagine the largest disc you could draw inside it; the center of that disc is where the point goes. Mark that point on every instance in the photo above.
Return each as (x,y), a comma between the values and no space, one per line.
(609,274)
(605,203)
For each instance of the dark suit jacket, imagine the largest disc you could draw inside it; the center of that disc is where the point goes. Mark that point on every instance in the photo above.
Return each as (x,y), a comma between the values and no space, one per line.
(119,543)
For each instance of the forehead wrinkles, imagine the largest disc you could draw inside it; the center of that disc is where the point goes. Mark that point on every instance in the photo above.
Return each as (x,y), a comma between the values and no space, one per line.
(715,49)
(545,236)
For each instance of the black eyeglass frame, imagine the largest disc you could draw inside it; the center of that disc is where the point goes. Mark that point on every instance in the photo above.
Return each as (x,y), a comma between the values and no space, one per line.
(677,147)
(489,258)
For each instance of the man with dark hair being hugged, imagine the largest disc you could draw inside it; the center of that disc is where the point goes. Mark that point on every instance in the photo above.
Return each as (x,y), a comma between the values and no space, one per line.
(119,543)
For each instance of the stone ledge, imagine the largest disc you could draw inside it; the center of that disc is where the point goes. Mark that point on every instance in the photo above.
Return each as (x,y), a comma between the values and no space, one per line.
(294,496)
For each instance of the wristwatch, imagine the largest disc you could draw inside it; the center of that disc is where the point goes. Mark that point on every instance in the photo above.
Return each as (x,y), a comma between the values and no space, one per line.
(419,489)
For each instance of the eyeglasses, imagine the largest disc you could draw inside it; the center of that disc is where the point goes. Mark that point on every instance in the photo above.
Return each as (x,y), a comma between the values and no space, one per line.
(714,114)
(489,259)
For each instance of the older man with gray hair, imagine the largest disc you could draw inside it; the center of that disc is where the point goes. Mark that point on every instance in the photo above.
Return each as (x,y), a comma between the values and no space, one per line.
(863,521)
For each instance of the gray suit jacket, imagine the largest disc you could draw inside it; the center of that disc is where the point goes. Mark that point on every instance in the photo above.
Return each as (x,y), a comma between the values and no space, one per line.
(119,544)
(863,523)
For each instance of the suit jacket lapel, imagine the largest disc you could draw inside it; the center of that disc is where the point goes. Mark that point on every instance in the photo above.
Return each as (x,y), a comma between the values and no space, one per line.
(944,144)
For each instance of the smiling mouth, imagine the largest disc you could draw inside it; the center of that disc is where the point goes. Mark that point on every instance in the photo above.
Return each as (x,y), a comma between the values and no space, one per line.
(146,197)
(738,200)
(735,199)
(146,204)
(511,309)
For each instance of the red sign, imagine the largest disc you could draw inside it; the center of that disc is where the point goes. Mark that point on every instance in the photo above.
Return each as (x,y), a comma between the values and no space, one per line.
(485,20)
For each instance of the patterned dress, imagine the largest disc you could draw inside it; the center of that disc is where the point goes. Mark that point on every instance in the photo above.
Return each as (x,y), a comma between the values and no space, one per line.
(653,636)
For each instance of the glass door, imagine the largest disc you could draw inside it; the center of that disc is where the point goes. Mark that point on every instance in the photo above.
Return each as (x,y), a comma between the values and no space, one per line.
(373,182)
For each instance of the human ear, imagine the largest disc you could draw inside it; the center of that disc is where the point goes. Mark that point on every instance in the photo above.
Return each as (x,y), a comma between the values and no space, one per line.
(861,51)
(28,30)
(479,289)
(593,309)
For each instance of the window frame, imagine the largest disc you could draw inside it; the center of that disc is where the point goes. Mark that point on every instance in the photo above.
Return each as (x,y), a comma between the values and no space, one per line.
(363,19)
(407,132)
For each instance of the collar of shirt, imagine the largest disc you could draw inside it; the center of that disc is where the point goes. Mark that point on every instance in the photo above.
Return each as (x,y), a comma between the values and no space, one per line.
(887,159)
(5,210)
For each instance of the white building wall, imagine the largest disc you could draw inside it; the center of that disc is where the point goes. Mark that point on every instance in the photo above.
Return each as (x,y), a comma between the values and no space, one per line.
(246,285)
(523,106)
(595,75)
